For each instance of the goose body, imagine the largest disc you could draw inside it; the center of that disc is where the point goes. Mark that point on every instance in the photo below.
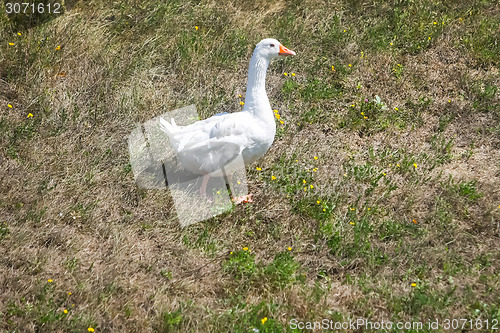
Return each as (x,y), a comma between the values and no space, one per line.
(208,146)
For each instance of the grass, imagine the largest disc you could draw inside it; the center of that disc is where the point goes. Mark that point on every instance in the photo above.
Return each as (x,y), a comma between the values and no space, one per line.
(378,199)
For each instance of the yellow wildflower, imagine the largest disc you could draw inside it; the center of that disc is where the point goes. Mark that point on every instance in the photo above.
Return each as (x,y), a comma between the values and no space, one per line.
(333,68)
(293,74)
(49,280)
(90,329)
(435,23)
(277,115)
(263,320)
(429,37)
(304,181)
(396,109)
(242,103)
(65,311)
(273,178)
(315,157)
(324,210)
(58,47)
(384,173)
(449,101)
(258,169)
(414,221)
(365,117)
(414,284)
(415,165)
(286,74)
(19,33)
(352,208)
(11,44)
(351,223)
(9,105)
(239,96)
(282,122)
(196,27)
(350,65)
(245,248)
(69,293)
(311,186)
(390,44)
(318,202)
(289,248)
(397,165)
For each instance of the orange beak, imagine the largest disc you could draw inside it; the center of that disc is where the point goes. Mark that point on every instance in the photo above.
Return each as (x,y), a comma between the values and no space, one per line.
(284,51)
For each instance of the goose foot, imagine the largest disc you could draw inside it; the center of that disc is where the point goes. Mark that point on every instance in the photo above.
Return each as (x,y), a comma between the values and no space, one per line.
(243,198)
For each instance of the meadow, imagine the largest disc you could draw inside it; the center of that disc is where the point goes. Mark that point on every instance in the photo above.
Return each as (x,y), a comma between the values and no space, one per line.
(379,199)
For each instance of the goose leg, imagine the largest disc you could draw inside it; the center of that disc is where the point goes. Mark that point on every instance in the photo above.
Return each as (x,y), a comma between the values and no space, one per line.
(203,188)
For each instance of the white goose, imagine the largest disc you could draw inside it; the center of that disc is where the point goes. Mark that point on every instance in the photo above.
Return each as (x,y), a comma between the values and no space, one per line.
(207,146)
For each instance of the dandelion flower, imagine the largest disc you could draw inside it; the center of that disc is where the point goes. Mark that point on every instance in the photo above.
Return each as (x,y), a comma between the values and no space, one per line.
(69,293)
(196,27)
(305,188)
(344,30)
(352,223)
(352,105)
(49,280)
(245,248)
(415,165)
(90,329)
(19,34)
(333,68)
(368,208)
(65,311)
(352,208)
(275,111)
(324,210)
(282,122)
(58,47)
(263,320)
(362,113)
(277,115)
(414,221)
(304,181)
(311,186)
(435,23)
(315,169)
(429,37)
(11,44)
(318,202)
(289,248)
(315,157)
(293,74)
(9,105)
(396,109)
(273,178)
(449,101)
(390,44)
(383,173)
(239,96)
(242,103)
(350,65)
(413,284)
(258,169)
(286,74)
(397,165)
(365,117)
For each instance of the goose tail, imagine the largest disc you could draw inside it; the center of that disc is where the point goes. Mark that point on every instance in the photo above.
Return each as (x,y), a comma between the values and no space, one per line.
(171,129)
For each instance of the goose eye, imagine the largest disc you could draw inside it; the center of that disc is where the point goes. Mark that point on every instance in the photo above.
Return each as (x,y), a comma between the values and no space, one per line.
(272,45)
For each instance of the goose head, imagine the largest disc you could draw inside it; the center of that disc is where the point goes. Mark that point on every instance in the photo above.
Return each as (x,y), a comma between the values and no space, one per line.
(271,48)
